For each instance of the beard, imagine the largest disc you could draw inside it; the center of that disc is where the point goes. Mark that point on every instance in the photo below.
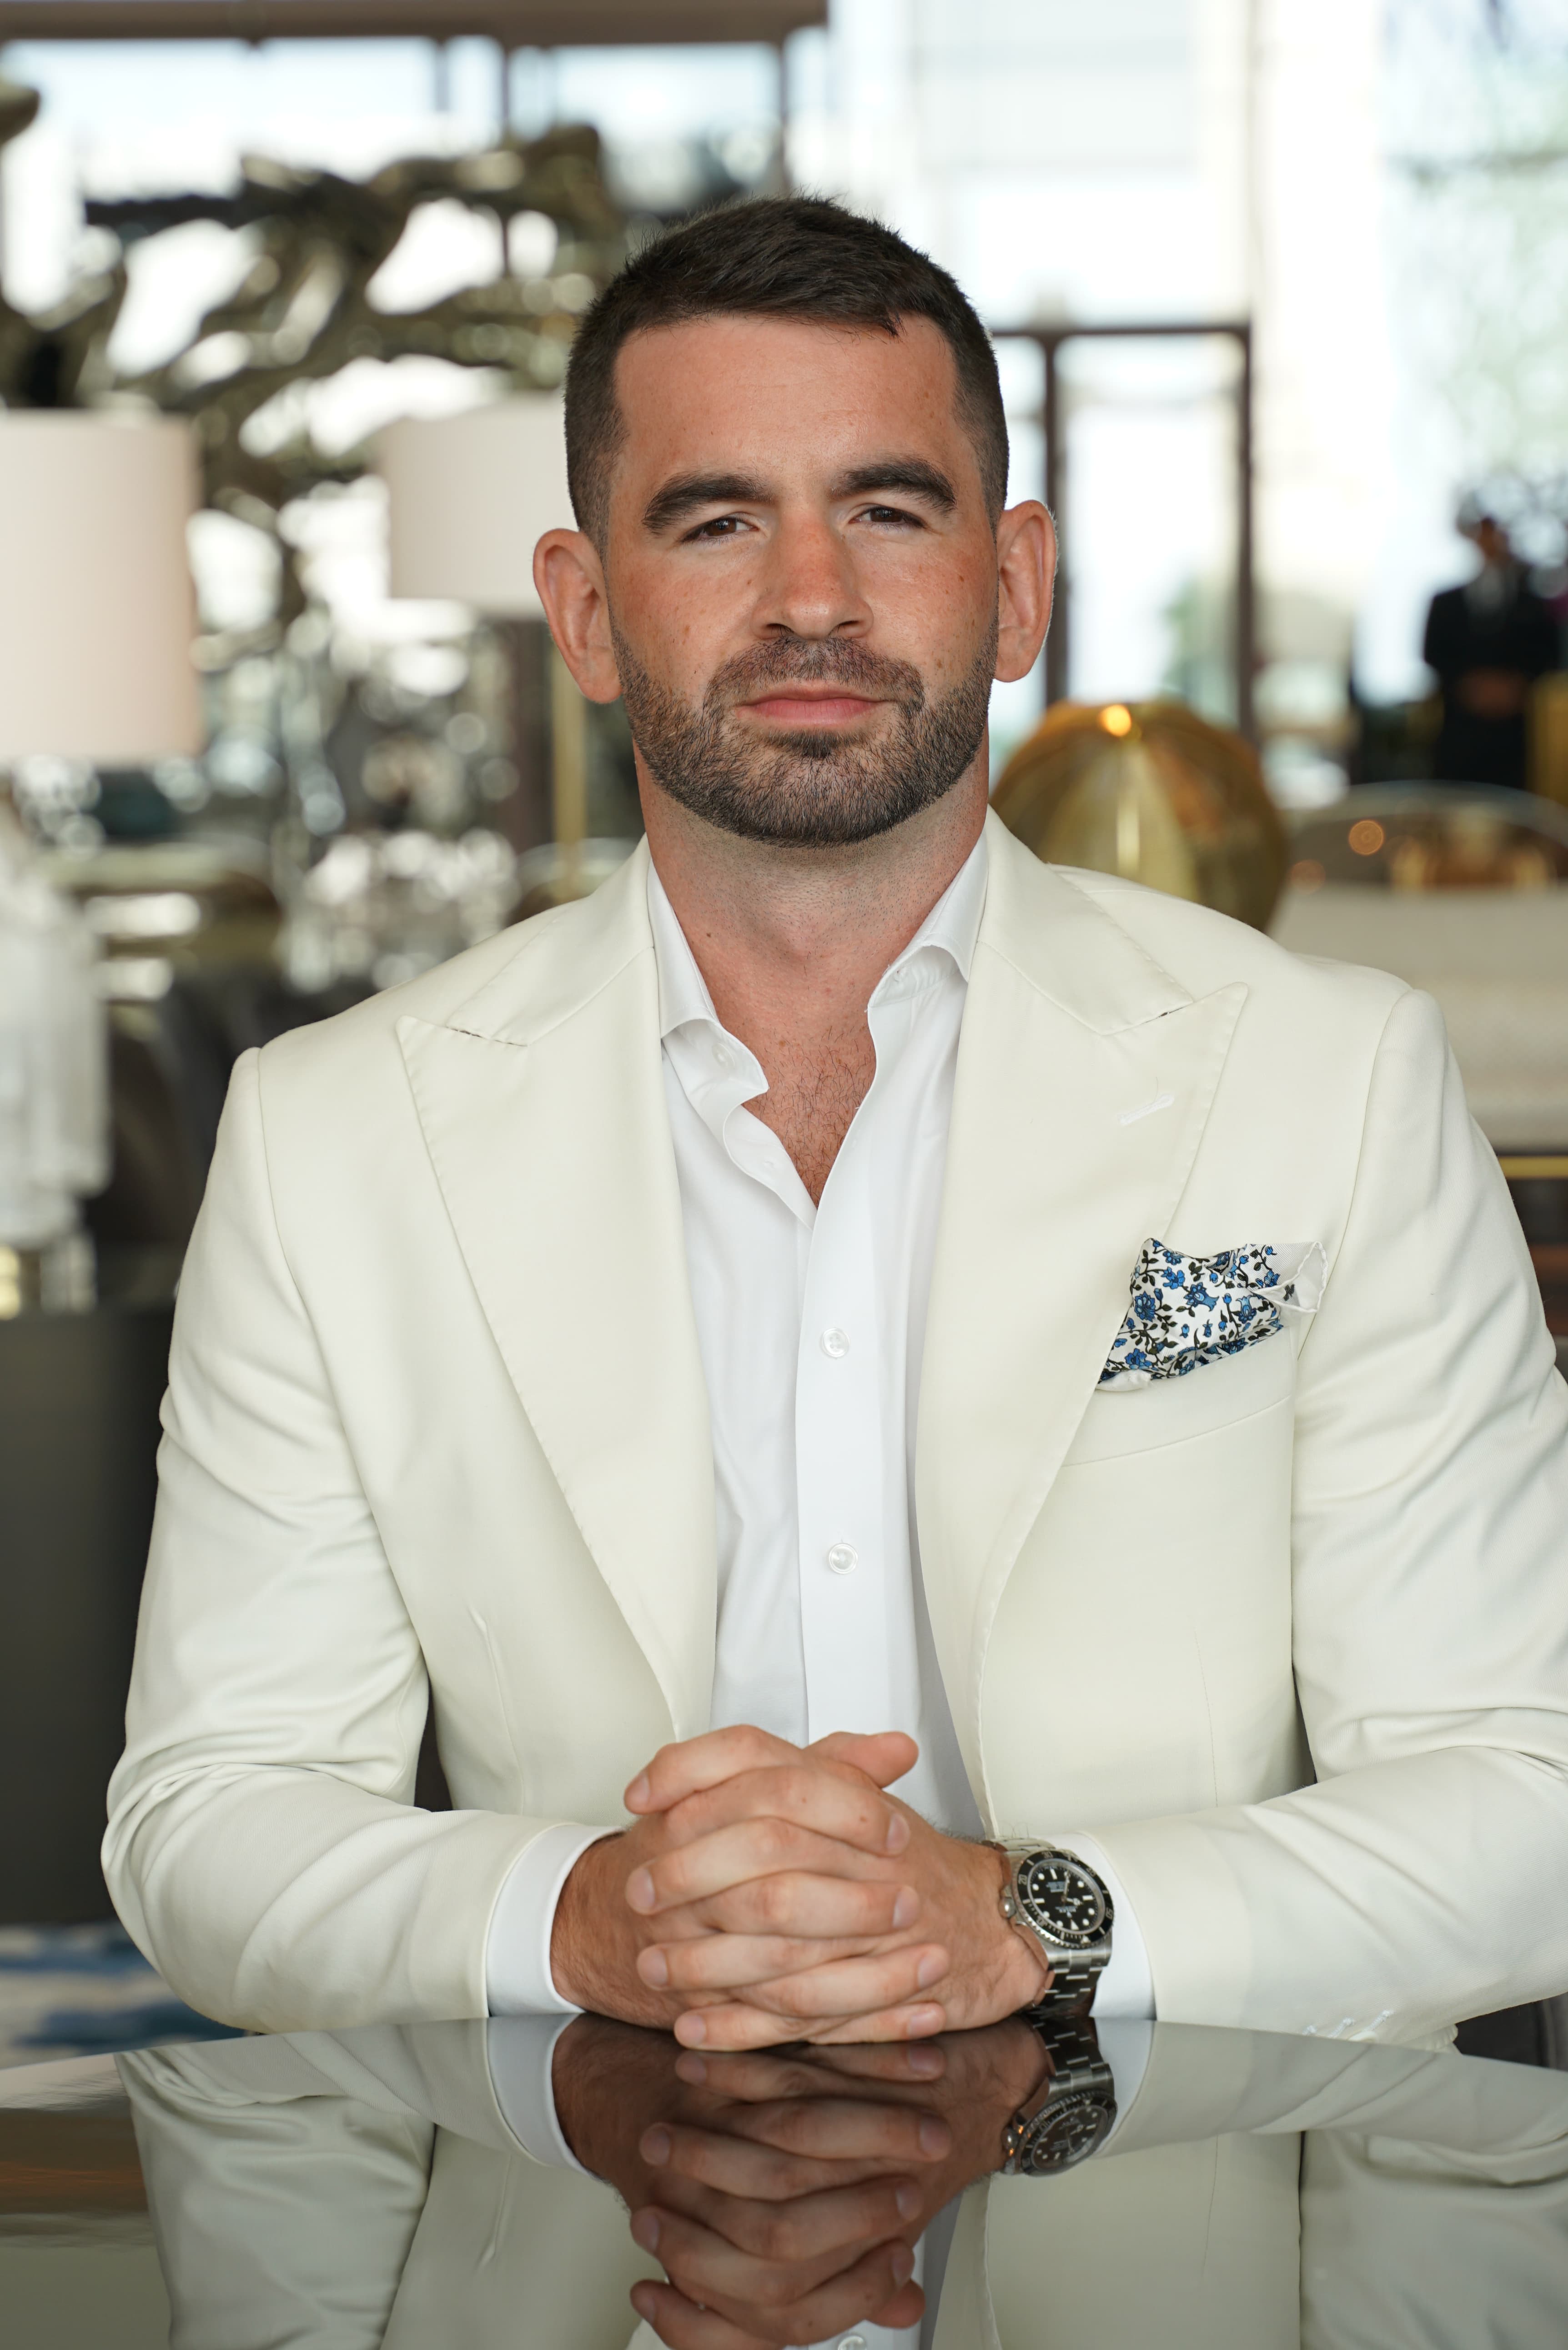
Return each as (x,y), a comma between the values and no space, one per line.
(807,787)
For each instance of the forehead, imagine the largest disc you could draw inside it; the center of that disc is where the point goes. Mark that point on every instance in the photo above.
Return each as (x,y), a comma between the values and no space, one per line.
(775,394)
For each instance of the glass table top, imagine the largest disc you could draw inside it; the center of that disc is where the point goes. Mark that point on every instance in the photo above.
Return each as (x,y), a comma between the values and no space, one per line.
(1169,2186)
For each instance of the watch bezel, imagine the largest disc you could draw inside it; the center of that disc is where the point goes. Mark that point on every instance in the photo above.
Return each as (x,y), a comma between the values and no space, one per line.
(1039,1915)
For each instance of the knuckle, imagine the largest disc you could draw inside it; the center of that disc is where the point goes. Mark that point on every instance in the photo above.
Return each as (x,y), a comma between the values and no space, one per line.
(772,1841)
(775,1900)
(779,2236)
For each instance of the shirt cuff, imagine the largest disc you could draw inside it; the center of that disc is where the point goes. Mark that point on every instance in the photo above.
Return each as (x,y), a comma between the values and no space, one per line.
(522,2053)
(1126,1989)
(518,1977)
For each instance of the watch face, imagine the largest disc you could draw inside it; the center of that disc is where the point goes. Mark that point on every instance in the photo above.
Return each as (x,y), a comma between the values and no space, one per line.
(1063,1899)
(1066,2132)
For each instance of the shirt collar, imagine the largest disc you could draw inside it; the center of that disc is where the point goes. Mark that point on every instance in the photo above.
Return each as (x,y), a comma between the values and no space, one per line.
(949,930)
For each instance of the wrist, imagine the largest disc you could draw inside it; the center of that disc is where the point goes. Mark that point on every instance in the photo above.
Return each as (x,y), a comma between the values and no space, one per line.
(593,1937)
(567,2085)
(1025,1970)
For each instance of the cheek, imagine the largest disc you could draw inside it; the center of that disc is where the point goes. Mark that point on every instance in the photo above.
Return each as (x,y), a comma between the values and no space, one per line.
(942,613)
(679,627)
(932,586)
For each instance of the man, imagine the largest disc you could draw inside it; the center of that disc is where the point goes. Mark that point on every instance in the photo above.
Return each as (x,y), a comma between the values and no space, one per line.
(819,1357)
(1488,642)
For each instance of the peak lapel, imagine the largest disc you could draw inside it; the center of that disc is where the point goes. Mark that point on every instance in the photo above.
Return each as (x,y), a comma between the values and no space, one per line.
(1051,1190)
(541,1103)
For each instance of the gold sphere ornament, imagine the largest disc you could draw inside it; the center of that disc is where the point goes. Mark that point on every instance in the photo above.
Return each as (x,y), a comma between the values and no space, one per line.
(1149,791)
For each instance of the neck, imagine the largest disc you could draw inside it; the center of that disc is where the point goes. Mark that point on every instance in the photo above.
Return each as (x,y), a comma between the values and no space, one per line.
(791,942)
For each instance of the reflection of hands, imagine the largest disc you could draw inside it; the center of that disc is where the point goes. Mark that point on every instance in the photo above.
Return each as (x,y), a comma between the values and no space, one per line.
(783,2195)
(788,1878)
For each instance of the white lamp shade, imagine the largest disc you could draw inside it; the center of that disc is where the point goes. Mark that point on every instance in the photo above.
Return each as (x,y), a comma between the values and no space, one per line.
(470,498)
(96,606)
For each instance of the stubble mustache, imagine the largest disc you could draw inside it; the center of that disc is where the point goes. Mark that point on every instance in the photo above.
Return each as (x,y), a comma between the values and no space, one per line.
(748,676)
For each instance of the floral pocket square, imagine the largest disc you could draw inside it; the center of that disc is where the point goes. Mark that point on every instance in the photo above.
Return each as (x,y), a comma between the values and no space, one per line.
(1191,1310)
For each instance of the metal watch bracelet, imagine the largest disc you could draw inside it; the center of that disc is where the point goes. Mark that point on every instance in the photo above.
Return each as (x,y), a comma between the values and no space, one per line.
(1074,2117)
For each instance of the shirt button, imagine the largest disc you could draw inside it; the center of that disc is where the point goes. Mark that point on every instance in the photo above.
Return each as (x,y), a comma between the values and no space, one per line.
(853,2341)
(836,1342)
(842,1558)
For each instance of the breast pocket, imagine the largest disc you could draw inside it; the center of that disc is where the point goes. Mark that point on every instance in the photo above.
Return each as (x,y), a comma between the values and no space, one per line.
(1140,1661)
(1169,1411)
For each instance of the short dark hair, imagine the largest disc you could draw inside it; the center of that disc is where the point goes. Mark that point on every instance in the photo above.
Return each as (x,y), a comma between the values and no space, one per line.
(781,257)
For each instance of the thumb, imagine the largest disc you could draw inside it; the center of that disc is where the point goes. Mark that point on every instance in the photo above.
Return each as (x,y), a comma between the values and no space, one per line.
(884,1755)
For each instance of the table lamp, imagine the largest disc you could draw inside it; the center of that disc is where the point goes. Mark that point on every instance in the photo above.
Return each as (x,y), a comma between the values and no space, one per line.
(470,497)
(97,613)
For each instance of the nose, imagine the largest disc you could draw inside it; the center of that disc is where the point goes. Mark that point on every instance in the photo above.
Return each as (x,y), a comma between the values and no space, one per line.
(811,588)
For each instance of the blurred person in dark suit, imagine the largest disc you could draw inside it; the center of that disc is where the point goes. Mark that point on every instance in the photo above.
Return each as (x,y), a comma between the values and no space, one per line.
(1488,642)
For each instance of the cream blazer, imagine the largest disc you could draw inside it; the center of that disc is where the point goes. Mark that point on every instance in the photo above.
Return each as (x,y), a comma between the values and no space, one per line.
(1290,1634)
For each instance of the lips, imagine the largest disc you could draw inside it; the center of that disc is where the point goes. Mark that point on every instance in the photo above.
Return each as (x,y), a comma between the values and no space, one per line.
(796,707)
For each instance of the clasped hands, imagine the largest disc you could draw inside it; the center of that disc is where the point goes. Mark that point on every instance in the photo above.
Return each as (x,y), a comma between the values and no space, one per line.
(769,1892)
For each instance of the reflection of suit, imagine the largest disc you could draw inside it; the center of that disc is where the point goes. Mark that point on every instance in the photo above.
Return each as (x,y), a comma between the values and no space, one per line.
(436,1404)
(286,2181)
(350,2194)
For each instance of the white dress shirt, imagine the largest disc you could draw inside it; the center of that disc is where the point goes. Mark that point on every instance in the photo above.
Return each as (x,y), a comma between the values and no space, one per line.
(811,1326)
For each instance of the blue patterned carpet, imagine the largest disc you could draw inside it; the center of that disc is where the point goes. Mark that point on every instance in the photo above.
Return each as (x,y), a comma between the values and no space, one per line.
(78,1990)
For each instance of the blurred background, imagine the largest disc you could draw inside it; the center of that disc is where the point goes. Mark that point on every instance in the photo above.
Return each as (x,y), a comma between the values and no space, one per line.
(287,292)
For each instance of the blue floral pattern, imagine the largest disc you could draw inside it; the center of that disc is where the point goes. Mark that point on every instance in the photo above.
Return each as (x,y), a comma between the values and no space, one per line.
(1191,1310)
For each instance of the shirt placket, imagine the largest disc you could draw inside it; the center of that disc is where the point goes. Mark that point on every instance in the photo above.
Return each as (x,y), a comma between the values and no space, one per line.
(841,1443)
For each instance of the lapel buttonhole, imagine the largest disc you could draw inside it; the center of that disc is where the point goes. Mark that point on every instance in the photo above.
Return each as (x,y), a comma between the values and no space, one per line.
(1146,1110)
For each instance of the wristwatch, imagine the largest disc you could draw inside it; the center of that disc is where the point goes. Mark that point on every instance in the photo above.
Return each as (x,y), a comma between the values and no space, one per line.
(1059,1903)
(1073,2118)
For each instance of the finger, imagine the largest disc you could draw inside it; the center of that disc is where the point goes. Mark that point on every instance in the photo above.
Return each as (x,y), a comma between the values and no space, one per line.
(812,1791)
(911,2022)
(778,2298)
(842,2217)
(691,1764)
(812,2071)
(740,1961)
(734,2025)
(714,2164)
(734,1856)
(805,1919)
(883,1754)
(796,1904)
(685,2324)
(811,2131)
(843,1988)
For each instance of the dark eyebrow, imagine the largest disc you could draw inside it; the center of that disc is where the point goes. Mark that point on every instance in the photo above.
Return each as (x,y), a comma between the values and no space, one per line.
(910,474)
(689,490)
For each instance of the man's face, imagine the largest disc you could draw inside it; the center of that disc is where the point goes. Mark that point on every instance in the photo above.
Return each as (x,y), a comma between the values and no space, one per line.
(801,574)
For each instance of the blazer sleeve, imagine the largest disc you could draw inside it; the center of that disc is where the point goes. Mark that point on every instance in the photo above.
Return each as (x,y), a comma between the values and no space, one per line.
(262,1847)
(1421,1879)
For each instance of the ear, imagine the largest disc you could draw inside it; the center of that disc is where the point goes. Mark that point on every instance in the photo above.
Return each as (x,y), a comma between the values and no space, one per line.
(570,581)
(1025,572)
